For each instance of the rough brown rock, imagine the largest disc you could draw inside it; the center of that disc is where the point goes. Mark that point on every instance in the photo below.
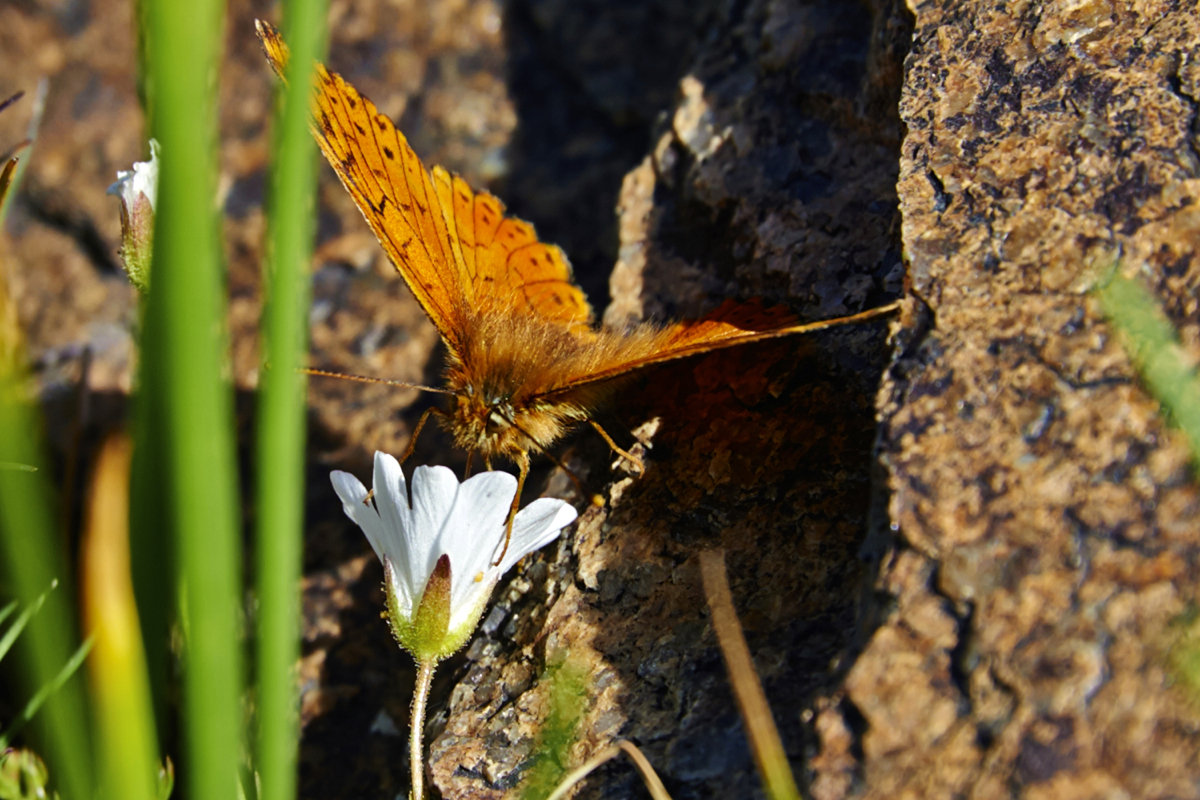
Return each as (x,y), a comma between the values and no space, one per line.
(1044,508)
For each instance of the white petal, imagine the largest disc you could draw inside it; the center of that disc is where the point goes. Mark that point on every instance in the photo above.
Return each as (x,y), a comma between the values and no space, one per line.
(391,498)
(482,506)
(474,524)
(465,614)
(123,187)
(383,538)
(434,491)
(484,494)
(401,590)
(141,180)
(352,493)
(349,489)
(145,175)
(536,525)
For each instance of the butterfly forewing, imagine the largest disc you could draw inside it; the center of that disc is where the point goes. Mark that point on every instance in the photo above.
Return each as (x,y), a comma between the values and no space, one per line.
(391,188)
(455,248)
(394,192)
(455,194)
(539,268)
(732,324)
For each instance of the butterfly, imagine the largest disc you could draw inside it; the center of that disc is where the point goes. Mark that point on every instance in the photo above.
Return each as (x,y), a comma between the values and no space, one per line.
(525,361)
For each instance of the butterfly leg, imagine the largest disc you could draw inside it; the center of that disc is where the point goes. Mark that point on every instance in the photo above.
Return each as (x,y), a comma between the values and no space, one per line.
(575,479)
(522,460)
(597,500)
(625,454)
(412,440)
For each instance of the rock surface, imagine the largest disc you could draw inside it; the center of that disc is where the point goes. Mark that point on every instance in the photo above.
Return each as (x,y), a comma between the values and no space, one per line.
(1048,519)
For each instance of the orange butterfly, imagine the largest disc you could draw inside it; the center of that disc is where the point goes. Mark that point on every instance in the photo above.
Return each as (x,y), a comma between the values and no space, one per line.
(525,362)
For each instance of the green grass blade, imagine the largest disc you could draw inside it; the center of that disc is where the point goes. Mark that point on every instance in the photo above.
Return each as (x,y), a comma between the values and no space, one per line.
(153,556)
(1153,345)
(48,690)
(281,410)
(14,630)
(32,556)
(5,613)
(184,352)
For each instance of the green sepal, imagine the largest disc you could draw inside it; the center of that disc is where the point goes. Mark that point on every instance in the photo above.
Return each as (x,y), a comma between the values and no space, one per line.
(427,635)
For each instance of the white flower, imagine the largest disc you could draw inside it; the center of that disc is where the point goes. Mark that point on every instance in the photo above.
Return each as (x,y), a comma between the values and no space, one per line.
(141,180)
(451,531)
(137,190)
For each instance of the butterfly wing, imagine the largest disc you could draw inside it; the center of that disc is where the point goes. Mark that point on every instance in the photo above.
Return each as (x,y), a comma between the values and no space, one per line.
(456,249)
(733,323)
(506,268)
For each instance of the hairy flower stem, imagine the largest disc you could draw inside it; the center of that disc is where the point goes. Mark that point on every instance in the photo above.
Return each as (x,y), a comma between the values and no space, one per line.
(417,725)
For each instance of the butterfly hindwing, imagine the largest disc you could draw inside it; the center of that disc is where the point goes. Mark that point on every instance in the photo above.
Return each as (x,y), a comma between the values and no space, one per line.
(509,269)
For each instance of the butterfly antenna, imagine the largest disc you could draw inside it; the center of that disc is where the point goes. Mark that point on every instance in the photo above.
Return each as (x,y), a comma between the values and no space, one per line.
(325,373)
(412,440)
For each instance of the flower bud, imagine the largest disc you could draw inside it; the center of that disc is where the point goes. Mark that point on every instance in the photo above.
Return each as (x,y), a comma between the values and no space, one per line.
(137,190)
